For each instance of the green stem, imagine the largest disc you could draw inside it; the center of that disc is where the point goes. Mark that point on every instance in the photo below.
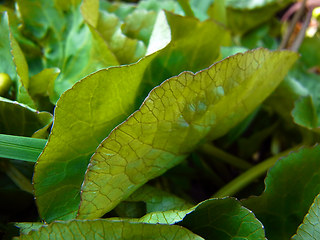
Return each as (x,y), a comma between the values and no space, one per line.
(246,178)
(185,5)
(16,176)
(215,152)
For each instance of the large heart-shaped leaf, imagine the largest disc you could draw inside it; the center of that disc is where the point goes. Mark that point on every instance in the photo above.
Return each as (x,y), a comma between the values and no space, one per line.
(178,115)
(87,113)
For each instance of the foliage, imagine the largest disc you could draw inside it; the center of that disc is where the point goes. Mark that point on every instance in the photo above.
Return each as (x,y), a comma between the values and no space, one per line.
(149,120)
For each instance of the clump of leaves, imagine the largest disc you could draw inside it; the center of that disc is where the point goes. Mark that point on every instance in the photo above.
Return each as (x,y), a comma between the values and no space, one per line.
(157,120)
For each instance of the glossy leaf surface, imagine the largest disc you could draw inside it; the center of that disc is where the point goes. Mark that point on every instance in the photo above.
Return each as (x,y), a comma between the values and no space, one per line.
(173,120)
(87,113)
(223,219)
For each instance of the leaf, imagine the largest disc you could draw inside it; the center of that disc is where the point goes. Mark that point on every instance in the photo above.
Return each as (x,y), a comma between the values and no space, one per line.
(158,200)
(223,219)
(21,148)
(18,119)
(168,5)
(7,65)
(310,57)
(67,43)
(305,114)
(150,199)
(87,113)
(200,8)
(213,219)
(291,186)
(125,49)
(243,16)
(26,227)
(41,87)
(306,111)
(139,25)
(309,229)
(175,117)
(106,229)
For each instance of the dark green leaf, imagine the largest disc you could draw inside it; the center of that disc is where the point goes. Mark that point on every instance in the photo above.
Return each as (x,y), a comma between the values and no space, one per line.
(223,219)
(18,119)
(291,186)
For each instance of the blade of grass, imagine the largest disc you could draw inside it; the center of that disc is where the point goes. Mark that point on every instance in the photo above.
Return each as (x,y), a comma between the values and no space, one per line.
(21,148)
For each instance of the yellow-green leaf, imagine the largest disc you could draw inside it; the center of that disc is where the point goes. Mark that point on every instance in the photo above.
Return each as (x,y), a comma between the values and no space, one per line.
(178,115)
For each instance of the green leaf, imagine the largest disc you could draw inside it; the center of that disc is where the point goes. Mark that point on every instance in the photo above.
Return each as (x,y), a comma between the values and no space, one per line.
(291,186)
(150,199)
(26,227)
(125,49)
(18,119)
(157,199)
(223,219)
(106,229)
(305,113)
(218,11)
(66,41)
(7,65)
(13,61)
(309,229)
(165,217)
(185,5)
(310,57)
(41,87)
(87,113)
(155,5)
(213,219)
(139,25)
(21,148)
(200,8)
(243,16)
(175,117)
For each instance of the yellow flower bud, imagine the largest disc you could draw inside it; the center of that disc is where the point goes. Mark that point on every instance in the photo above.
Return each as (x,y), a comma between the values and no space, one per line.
(5,83)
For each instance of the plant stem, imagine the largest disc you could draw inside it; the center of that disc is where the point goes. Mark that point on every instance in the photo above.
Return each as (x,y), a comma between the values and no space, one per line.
(292,25)
(246,178)
(298,41)
(215,152)
(17,177)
